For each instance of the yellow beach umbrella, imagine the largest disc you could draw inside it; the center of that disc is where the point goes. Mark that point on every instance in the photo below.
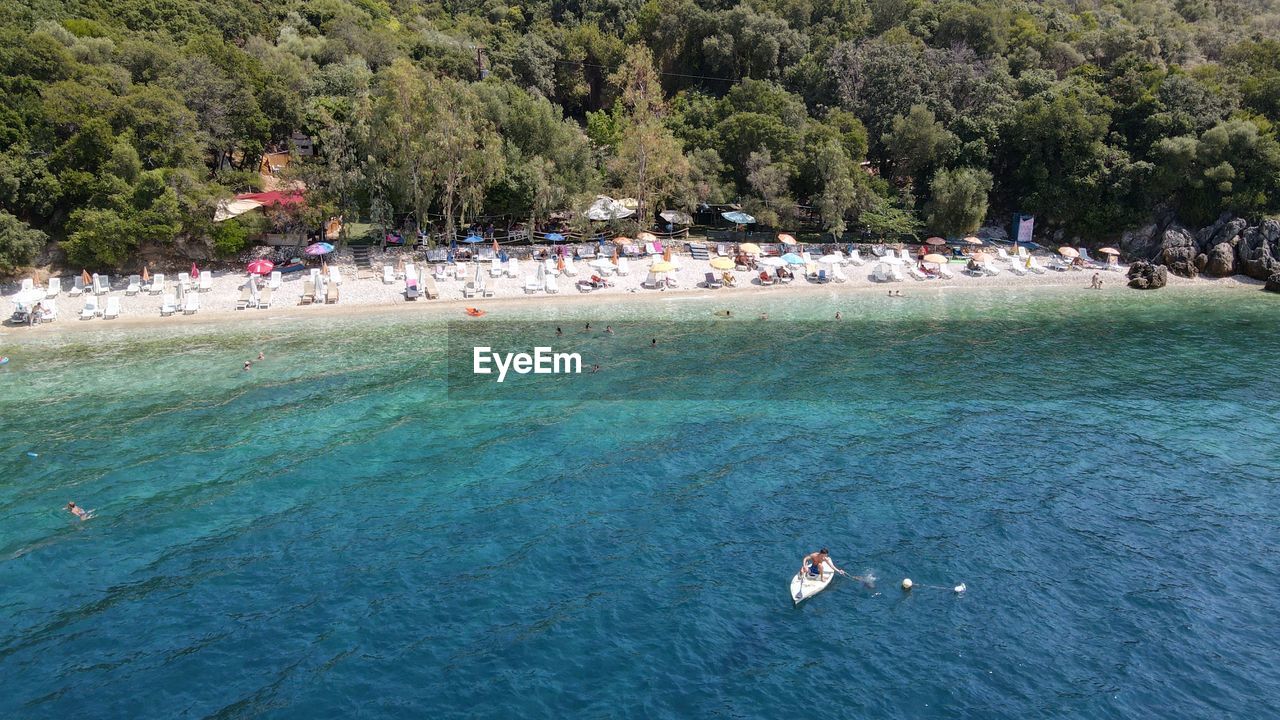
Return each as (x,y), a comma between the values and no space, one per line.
(973,240)
(622,239)
(786,239)
(662,266)
(936,241)
(1068,252)
(647,237)
(935,258)
(1108,251)
(750,248)
(722,263)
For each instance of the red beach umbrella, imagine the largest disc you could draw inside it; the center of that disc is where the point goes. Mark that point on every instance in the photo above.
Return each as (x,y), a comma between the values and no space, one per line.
(261,267)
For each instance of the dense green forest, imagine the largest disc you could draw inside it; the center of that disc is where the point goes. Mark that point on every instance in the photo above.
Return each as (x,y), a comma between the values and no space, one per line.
(123,122)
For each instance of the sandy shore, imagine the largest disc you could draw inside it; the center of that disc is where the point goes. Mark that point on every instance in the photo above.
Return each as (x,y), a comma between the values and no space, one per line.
(361,290)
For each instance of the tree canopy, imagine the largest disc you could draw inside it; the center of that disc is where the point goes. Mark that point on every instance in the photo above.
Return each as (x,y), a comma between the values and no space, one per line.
(124,123)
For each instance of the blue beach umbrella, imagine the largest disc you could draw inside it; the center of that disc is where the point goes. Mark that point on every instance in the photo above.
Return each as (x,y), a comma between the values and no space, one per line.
(793,259)
(737,217)
(554,237)
(472,239)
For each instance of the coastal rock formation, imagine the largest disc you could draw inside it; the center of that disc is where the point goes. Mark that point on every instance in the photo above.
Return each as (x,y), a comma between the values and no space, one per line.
(1227,247)
(1259,250)
(1145,276)
(1273,283)
(1178,251)
(1220,261)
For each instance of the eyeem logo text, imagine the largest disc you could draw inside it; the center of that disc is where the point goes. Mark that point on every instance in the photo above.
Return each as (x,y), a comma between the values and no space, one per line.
(542,362)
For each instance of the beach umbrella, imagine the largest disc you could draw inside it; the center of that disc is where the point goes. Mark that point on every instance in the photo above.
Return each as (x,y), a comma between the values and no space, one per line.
(472,239)
(722,263)
(662,266)
(319,248)
(935,241)
(1068,252)
(972,240)
(258,267)
(646,237)
(935,258)
(400,265)
(614,258)
(554,237)
(786,239)
(195,272)
(84,276)
(750,249)
(675,217)
(737,217)
(772,261)
(146,275)
(560,263)
(666,254)
(496,250)
(833,259)
(621,239)
(793,259)
(1108,251)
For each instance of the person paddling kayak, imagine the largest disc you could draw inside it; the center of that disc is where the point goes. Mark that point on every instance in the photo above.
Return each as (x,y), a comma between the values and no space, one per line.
(812,565)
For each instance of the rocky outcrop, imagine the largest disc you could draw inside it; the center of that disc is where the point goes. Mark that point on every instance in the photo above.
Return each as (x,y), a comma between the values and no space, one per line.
(1146,276)
(1220,261)
(1178,251)
(1227,247)
(1273,283)
(1259,250)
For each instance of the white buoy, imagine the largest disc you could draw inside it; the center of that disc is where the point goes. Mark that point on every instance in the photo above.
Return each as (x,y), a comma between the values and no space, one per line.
(906,583)
(961,588)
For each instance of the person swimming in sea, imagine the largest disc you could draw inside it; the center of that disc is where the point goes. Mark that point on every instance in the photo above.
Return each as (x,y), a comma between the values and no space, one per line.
(248,364)
(559,332)
(261,355)
(839,316)
(77,511)
(608,329)
(654,343)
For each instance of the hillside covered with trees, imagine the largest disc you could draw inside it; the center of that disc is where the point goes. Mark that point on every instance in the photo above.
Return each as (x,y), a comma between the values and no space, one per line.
(124,122)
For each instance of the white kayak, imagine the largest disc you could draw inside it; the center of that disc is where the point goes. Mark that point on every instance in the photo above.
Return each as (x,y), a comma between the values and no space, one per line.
(804,586)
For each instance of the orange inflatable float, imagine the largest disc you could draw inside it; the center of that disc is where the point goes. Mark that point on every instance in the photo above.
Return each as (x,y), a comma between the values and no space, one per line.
(474,312)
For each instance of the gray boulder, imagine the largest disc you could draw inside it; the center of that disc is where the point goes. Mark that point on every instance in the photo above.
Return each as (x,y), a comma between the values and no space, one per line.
(1273,283)
(1259,250)
(1227,229)
(994,232)
(1140,243)
(1178,251)
(1221,261)
(1146,276)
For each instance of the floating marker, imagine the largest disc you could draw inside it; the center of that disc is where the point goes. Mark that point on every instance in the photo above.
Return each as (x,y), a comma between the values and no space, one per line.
(31,454)
(906,583)
(960,588)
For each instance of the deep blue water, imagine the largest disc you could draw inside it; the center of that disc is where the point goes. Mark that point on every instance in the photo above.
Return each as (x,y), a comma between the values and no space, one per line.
(336,534)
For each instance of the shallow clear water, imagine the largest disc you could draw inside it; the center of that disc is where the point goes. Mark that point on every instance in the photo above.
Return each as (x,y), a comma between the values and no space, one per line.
(342,532)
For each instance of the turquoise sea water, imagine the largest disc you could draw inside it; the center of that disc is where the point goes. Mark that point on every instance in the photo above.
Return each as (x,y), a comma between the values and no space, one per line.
(343,532)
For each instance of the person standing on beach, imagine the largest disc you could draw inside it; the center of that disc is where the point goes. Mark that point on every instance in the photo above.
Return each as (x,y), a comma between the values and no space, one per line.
(1096,284)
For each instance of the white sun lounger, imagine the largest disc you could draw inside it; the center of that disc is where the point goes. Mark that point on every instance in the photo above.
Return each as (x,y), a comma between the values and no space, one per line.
(77,286)
(550,285)
(945,273)
(513,268)
(1034,265)
(495,268)
(837,274)
(915,273)
(113,308)
(335,275)
(157,283)
(989,268)
(27,285)
(532,284)
(388,275)
(569,268)
(191,304)
(895,273)
(55,287)
(90,309)
(169,305)
(277,279)
(624,266)
(206,280)
(246,296)
(469,289)
(135,285)
(264,298)
(1016,268)
(856,258)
